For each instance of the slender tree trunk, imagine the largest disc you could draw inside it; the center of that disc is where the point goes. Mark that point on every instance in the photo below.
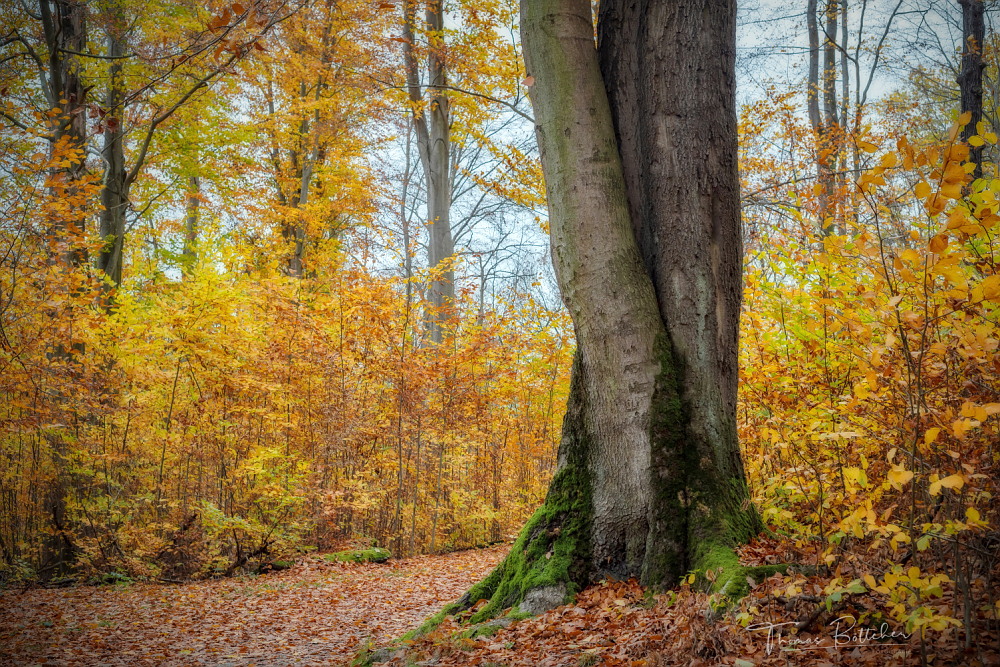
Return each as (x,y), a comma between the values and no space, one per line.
(831,124)
(64,23)
(970,79)
(114,190)
(642,187)
(432,126)
(812,82)
(441,247)
(65,31)
(189,257)
(817,119)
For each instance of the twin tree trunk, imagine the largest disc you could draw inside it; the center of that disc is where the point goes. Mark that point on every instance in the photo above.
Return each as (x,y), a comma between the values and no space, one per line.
(638,148)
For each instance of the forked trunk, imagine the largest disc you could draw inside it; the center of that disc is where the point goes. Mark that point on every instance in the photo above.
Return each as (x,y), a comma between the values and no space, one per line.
(644,211)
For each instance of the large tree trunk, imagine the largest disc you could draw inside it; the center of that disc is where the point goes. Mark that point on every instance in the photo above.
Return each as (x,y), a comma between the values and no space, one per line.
(643,202)
(970,79)
(669,68)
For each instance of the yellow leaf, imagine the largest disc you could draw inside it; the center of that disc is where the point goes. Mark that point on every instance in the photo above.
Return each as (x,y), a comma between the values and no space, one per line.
(931,435)
(975,140)
(922,189)
(955,481)
(867,146)
(965,118)
(870,581)
(972,515)
(899,476)
(939,243)
(957,218)
(991,288)
(951,190)
(990,137)
(952,273)
(889,160)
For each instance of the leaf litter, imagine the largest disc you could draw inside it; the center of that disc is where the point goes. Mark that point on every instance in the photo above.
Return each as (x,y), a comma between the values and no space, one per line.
(316,613)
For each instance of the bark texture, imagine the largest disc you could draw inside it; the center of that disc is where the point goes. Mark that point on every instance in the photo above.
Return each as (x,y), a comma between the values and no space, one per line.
(669,68)
(642,186)
(970,78)
(189,256)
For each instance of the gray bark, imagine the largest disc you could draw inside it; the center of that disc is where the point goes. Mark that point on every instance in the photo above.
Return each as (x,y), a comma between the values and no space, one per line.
(970,78)
(115,186)
(600,273)
(432,127)
(823,121)
(642,187)
(670,71)
(64,23)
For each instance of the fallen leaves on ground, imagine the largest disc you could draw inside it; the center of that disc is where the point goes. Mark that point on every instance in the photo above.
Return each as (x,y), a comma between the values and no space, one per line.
(316,613)
(620,624)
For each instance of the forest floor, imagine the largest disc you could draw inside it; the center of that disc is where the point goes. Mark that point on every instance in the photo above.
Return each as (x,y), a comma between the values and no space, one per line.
(316,613)
(321,613)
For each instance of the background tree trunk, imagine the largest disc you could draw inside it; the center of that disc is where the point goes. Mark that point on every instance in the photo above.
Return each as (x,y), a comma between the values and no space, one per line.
(189,257)
(432,126)
(970,79)
(64,23)
(114,190)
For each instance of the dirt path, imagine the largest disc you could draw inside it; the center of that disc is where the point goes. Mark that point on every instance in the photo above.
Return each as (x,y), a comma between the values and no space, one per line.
(317,613)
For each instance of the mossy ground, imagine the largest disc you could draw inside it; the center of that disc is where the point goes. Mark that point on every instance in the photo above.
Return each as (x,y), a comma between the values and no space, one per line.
(371,555)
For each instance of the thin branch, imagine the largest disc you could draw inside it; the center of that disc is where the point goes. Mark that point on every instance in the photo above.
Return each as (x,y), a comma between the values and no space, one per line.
(14,121)
(144,147)
(97,55)
(491,99)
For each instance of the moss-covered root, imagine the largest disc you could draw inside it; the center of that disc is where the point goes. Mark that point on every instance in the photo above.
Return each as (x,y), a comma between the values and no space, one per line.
(718,569)
(546,566)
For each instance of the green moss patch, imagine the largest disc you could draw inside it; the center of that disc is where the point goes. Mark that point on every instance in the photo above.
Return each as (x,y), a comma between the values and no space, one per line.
(372,555)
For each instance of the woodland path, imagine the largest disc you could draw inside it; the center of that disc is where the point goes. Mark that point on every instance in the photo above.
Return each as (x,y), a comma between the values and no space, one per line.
(316,613)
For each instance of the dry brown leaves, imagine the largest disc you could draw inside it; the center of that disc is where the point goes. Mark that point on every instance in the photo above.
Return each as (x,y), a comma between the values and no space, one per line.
(616,624)
(316,613)
(321,613)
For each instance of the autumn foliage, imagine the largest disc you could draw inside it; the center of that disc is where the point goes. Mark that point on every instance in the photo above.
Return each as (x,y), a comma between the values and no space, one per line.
(871,384)
(262,383)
